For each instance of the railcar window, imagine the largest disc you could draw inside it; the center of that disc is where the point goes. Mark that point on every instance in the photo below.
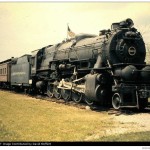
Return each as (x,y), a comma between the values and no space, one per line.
(0,71)
(5,71)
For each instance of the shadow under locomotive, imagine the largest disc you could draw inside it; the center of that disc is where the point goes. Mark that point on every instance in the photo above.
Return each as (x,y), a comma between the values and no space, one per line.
(108,69)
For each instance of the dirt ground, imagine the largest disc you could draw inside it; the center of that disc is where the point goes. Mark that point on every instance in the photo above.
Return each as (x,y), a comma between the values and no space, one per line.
(127,121)
(139,121)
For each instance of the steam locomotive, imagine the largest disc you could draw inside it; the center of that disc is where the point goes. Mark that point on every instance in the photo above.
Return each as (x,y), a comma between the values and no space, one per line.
(108,69)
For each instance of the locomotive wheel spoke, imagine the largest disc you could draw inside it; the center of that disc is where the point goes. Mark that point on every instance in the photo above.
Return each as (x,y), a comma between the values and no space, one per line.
(57,92)
(66,94)
(50,91)
(76,97)
(50,94)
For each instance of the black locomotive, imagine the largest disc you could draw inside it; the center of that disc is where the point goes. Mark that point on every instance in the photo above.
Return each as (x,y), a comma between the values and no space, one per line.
(105,69)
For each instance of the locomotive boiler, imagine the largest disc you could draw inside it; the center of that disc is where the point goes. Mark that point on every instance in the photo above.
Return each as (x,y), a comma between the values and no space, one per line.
(106,69)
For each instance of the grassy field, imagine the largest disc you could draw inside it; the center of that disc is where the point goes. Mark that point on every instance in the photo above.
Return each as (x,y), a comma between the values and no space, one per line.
(129,137)
(140,136)
(24,118)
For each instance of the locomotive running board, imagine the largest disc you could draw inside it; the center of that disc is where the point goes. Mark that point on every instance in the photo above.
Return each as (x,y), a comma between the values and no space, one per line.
(128,106)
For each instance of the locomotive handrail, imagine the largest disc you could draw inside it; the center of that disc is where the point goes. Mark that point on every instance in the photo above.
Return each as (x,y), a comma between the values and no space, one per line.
(122,64)
(111,71)
(141,70)
(74,60)
(130,38)
(103,68)
(131,83)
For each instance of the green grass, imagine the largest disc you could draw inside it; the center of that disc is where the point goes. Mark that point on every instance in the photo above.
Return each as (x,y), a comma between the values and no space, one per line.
(23,118)
(136,137)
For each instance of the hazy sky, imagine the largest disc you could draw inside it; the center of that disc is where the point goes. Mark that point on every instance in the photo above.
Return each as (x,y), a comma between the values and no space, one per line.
(26,26)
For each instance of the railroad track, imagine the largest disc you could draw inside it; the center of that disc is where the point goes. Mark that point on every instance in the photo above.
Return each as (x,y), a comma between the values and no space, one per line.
(110,111)
(83,105)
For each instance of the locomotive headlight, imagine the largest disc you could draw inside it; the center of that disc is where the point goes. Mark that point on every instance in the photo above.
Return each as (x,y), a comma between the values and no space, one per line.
(132,51)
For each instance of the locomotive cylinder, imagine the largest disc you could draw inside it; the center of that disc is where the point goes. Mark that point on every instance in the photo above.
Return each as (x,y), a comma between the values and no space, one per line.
(40,84)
